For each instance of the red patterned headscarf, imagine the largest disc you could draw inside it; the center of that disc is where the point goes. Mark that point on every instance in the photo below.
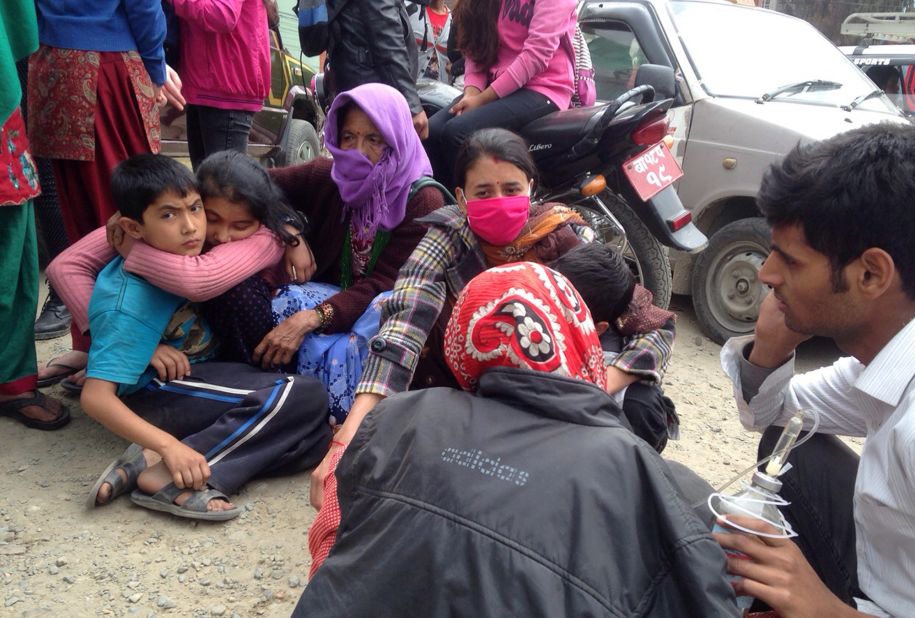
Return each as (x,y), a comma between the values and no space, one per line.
(522,315)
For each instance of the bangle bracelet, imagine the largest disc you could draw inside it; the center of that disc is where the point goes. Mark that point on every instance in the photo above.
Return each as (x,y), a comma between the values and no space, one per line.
(338,443)
(325,313)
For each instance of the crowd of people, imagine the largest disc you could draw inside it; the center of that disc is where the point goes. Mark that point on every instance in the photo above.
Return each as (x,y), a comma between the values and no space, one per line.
(473,379)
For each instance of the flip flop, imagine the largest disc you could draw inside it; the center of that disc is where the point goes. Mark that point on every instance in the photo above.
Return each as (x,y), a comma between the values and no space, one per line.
(69,370)
(12,408)
(194,508)
(132,462)
(72,387)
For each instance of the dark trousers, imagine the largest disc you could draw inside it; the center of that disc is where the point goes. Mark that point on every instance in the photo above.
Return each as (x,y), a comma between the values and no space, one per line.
(210,129)
(448,132)
(649,413)
(820,487)
(241,318)
(245,421)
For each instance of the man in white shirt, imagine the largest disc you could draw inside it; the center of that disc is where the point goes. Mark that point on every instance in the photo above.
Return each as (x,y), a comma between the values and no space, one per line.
(842,266)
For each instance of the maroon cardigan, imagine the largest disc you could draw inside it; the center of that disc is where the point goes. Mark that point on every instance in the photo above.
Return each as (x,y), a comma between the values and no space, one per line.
(310,190)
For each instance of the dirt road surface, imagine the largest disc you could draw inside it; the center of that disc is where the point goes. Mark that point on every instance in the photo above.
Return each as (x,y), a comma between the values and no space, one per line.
(59,558)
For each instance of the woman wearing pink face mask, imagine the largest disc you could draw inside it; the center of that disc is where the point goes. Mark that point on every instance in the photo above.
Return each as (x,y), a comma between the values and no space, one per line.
(492,224)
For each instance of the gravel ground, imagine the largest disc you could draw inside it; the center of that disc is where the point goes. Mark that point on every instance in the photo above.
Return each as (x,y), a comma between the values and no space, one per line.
(59,558)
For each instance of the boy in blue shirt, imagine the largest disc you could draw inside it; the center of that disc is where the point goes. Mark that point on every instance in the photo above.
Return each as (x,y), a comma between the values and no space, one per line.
(196,439)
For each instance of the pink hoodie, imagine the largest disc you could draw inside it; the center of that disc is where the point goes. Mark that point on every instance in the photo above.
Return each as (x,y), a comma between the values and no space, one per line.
(225,53)
(531,51)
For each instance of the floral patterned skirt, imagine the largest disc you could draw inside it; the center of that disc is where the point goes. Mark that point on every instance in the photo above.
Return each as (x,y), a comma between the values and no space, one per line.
(335,359)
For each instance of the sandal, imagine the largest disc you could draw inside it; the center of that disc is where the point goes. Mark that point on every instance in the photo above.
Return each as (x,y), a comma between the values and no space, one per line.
(194,508)
(132,462)
(73,387)
(13,409)
(68,370)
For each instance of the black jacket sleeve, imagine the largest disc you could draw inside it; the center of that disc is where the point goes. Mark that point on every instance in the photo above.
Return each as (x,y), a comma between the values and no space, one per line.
(372,41)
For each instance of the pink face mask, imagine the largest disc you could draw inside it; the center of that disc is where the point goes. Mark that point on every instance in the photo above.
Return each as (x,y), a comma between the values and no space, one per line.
(498,220)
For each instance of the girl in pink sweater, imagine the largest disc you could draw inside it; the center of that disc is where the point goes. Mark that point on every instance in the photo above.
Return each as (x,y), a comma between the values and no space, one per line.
(249,227)
(518,68)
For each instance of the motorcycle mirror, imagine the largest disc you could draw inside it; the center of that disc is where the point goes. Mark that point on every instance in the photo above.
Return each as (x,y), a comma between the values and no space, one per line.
(660,77)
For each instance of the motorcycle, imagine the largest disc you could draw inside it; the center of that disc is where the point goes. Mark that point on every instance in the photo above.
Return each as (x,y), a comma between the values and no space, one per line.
(610,162)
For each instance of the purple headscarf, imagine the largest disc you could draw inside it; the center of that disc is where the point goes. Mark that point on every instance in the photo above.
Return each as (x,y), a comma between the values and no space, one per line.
(375,196)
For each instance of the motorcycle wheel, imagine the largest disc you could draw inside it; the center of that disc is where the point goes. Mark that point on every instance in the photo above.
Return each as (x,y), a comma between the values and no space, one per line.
(724,283)
(646,256)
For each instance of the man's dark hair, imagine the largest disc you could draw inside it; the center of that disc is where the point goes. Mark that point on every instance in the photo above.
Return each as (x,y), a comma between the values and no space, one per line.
(849,193)
(602,278)
(137,182)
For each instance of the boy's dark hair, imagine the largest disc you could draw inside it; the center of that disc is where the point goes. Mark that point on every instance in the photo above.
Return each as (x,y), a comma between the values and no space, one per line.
(602,278)
(849,193)
(137,182)
(501,144)
(238,178)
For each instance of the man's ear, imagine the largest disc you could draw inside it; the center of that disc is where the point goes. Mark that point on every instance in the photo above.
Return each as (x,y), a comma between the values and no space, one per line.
(875,273)
(601,327)
(131,227)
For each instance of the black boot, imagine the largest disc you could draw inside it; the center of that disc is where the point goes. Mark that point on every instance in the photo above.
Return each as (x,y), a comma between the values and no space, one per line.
(54,320)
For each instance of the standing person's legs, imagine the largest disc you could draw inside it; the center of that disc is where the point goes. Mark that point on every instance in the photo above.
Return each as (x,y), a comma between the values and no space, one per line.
(447,132)
(820,489)
(18,301)
(84,187)
(220,129)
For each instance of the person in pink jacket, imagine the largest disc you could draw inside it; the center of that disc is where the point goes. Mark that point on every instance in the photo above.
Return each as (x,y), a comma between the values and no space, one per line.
(517,69)
(225,71)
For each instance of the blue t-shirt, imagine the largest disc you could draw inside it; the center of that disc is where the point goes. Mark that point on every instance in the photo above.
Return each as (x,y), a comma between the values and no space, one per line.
(128,317)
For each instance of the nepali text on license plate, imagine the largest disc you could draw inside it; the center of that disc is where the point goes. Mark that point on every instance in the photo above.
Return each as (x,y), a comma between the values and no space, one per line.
(652,170)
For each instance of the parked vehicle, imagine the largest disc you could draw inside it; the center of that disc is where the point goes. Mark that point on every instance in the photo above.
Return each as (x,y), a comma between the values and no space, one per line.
(284,132)
(750,85)
(885,49)
(610,162)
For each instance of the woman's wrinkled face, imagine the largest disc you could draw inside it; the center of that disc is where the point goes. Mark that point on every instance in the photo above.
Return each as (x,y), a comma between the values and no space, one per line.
(228,221)
(490,177)
(360,133)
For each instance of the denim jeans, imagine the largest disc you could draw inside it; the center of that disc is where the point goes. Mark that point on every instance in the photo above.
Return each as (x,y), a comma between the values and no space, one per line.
(447,132)
(210,129)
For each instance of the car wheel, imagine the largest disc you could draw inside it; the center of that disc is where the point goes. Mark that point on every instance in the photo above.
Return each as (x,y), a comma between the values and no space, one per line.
(725,284)
(303,144)
(646,256)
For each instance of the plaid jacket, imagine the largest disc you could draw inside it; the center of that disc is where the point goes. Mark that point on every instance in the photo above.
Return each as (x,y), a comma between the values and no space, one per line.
(445,260)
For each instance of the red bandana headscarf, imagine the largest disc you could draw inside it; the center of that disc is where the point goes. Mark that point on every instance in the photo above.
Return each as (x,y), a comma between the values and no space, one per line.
(522,315)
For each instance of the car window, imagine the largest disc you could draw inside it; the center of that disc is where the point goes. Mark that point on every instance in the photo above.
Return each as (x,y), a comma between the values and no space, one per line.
(746,52)
(616,56)
(277,79)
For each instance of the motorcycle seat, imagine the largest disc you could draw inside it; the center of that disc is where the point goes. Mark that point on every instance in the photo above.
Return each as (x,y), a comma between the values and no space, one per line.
(560,131)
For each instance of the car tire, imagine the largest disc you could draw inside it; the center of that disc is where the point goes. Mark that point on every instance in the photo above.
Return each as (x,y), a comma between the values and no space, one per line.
(647,257)
(302,144)
(725,284)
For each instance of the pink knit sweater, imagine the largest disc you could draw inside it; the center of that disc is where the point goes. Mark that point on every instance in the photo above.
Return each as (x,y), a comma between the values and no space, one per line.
(197,278)
(531,51)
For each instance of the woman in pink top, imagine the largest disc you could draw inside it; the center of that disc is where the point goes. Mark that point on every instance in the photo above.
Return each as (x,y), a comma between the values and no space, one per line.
(225,71)
(517,69)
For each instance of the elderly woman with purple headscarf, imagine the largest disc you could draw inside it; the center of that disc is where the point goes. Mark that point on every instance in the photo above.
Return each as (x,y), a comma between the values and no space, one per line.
(362,214)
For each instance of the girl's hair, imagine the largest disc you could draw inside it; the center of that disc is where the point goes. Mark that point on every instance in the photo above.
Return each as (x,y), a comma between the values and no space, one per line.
(477,32)
(238,178)
(500,144)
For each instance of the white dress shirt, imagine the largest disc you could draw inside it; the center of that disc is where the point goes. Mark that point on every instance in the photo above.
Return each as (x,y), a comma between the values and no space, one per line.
(877,402)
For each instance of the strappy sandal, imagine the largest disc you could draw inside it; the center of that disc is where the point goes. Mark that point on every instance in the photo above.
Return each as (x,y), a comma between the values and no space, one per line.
(194,508)
(13,409)
(132,462)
